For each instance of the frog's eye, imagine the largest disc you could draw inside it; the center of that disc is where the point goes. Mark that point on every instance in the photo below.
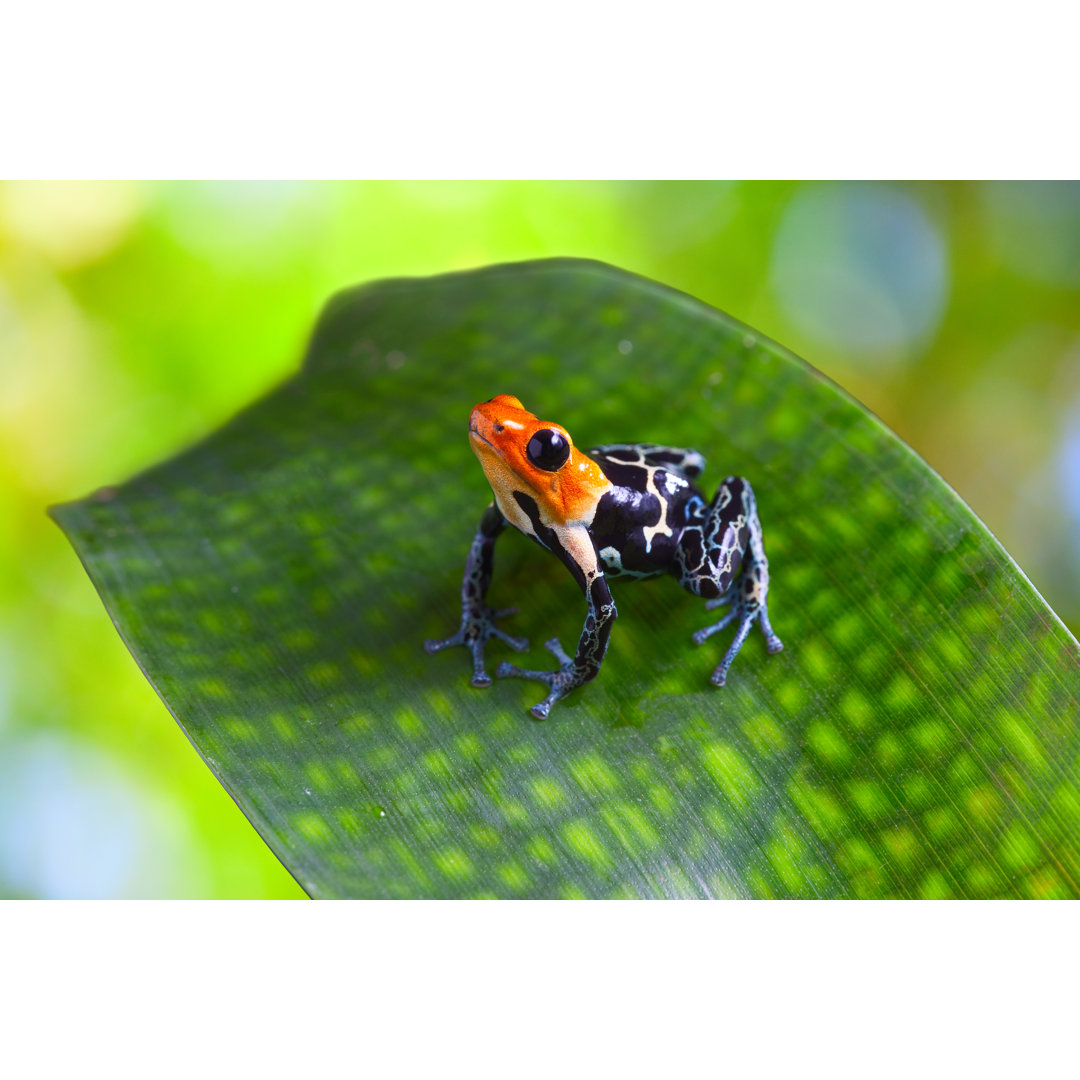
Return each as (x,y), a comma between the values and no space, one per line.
(548,450)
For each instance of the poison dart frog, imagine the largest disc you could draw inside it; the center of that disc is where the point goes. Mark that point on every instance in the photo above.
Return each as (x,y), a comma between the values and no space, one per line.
(627,510)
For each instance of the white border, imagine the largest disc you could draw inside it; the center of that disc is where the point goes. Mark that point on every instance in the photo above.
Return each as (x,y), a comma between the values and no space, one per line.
(586,89)
(551,989)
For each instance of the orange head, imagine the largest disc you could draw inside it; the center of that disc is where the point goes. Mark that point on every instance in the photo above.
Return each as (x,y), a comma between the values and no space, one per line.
(537,458)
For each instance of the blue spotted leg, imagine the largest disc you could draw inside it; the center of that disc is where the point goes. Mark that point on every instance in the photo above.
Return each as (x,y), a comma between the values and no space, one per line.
(726,564)
(477,618)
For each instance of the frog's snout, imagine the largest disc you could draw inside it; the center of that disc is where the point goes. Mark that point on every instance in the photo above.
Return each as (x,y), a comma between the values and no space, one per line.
(490,419)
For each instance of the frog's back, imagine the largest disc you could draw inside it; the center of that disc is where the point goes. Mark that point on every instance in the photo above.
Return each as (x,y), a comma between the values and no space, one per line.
(688,464)
(639,523)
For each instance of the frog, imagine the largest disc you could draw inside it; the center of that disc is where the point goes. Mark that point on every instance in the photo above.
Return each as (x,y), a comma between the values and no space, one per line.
(621,511)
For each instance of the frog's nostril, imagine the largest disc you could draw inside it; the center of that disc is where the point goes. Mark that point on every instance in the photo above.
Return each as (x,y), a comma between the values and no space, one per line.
(498,428)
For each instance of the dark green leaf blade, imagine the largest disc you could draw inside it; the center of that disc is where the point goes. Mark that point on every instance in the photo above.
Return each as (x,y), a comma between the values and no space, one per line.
(917,737)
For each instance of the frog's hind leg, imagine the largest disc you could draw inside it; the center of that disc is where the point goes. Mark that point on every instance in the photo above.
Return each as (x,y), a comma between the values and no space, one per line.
(726,563)
(747,598)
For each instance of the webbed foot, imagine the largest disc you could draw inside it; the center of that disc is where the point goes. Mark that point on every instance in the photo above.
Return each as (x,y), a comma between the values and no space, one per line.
(746,612)
(561,682)
(476,628)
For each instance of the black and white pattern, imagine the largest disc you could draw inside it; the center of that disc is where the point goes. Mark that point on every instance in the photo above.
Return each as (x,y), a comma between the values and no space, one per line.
(716,550)
(574,546)
(652,520)
(637,524)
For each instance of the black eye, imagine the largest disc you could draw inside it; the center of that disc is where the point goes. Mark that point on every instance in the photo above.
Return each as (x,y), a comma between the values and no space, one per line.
(548,450)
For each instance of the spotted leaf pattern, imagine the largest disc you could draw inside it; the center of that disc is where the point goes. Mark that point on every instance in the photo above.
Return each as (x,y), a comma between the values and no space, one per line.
(918,737)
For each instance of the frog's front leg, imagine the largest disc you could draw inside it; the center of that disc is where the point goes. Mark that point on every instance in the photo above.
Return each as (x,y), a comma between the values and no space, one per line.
(725,562)
(575,548)
(583,666)
(477,619)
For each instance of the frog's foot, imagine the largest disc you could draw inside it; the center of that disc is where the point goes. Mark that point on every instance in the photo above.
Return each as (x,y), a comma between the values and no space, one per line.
(746,612)
(561,682)
(476,628)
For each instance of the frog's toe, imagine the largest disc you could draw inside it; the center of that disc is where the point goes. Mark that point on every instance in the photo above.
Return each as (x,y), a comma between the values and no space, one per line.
(477,628)
(542,709)
(718,601)
(703,635)
(772,642)
(746,621)
(719,676)
(518,644)
(559,689)
(506,670)
(559,682)
(554,646)
(480,678)
(434,645)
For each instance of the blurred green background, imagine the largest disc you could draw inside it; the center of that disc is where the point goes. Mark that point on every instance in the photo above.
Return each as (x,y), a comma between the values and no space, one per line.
(135,318)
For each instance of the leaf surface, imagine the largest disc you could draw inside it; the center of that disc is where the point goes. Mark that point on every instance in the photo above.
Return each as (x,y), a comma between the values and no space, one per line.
(917,737)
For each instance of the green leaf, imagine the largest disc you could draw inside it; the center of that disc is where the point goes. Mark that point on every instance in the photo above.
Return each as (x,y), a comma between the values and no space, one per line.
(917,737)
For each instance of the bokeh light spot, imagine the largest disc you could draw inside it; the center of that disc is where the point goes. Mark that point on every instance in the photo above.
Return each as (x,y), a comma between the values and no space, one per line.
(74,826)
(70,222)
(860,269)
